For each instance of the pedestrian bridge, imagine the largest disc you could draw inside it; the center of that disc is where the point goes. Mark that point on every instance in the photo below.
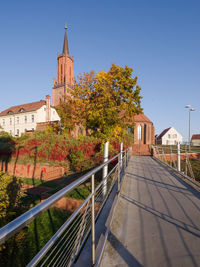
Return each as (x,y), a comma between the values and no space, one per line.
(156,221)
(151,218)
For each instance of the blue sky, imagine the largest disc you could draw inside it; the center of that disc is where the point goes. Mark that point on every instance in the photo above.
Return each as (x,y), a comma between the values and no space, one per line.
(160,40)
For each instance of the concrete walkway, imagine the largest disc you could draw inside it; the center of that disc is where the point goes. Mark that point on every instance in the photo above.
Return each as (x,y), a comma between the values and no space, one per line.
(156,221)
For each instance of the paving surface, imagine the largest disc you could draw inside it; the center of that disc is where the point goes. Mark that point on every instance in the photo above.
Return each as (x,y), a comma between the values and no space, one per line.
(156,221)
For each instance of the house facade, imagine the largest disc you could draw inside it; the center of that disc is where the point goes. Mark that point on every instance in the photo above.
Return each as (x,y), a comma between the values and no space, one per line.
(169,136)
(195,140)
(25,118)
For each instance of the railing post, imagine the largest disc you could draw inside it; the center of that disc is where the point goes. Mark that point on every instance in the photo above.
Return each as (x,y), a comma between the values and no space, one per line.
(118,177)
(93,222)
(125,160)
(105,168)
(186,162)
(121,153)
(178,157)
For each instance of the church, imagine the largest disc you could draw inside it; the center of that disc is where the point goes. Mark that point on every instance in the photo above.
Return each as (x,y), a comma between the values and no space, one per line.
(39,115)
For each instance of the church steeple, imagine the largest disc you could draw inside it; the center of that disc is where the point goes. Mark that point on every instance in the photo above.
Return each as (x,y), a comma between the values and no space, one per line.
(65,74)
(65,44)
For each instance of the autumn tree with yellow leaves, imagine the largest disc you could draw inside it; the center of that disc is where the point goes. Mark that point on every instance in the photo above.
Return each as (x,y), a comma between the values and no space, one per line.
(103,103)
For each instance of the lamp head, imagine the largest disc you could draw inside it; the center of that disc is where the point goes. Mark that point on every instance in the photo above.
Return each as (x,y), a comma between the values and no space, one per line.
(188,106)
(192,109)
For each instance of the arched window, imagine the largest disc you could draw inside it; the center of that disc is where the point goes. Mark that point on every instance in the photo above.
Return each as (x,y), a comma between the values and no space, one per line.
(139,132)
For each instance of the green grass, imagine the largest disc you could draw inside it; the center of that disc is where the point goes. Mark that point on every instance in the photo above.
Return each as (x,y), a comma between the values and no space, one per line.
(20,250)
(195,164)
(167,148)
(38,182)
(80,192)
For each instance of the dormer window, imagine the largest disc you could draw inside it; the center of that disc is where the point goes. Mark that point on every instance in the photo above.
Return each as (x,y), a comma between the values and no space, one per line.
(10,112)
(22,110)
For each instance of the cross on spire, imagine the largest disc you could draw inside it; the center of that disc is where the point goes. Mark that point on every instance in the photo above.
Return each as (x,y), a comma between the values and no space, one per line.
(65,44)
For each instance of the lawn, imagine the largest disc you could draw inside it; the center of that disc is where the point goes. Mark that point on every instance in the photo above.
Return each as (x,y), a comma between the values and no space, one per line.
(39,182)
(195,164)
(20,249)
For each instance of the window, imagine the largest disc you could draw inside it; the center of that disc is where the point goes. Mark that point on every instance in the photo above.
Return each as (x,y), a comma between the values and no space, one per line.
(17,120)
(169,136)
(22,110)
(3,121)
(17,132)
(130,130)
(10,121)
(175,135)
(32,118)
(139,132)
(10,132)
(25,119)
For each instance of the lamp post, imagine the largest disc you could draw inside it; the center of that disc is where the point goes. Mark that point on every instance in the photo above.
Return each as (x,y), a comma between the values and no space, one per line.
(190,109)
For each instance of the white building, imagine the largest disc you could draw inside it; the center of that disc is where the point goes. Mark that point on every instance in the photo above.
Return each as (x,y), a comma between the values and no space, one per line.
(169,136)
(19,119)
(195,140)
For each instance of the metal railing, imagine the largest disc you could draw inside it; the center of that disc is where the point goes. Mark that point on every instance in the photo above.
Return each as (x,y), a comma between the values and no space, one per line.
(64,246)
(185,161)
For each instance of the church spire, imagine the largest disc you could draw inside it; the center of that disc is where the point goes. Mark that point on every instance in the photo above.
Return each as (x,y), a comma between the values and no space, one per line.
(65,45)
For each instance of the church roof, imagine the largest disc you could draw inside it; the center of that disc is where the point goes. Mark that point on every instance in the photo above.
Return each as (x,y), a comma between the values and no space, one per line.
(65,44)
(141,118)
(23,108)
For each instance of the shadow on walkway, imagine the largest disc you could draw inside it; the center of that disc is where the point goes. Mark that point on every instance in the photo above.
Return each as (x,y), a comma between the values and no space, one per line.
(123,251)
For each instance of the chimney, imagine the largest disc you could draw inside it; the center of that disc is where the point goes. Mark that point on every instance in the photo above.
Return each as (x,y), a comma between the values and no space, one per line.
(48,108)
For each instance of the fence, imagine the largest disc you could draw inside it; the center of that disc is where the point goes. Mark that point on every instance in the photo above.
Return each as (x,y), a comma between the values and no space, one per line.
(64,246)
(181,158)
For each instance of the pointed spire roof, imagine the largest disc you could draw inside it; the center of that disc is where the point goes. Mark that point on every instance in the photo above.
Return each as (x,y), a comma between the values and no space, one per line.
(65,44)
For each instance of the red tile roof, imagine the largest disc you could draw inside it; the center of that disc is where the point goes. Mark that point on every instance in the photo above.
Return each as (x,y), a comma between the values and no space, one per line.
(163,133)
(141,118)
(196,136)
(27,107)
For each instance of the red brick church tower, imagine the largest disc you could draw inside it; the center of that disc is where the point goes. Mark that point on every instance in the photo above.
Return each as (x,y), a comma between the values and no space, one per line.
(65,74)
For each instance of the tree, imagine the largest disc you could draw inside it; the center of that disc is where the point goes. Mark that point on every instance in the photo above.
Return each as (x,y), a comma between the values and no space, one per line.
(74,110)
(104,103)
(115,101)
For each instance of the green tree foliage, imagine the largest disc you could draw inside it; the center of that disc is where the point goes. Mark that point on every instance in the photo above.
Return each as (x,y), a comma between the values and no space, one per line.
(10,195)
(104,103)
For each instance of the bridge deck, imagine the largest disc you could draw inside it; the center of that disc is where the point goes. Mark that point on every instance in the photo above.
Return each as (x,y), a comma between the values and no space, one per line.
(156,221)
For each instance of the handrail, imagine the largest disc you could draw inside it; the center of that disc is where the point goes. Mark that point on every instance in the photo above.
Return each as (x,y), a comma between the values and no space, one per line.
(66,243)
(16,225)
(188,167)
(48,245)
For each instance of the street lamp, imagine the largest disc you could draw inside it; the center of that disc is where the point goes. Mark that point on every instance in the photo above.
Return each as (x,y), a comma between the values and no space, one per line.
(190,109)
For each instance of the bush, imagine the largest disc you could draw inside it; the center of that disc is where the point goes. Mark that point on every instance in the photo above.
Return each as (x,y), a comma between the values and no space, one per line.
(82,153)
(10,195)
